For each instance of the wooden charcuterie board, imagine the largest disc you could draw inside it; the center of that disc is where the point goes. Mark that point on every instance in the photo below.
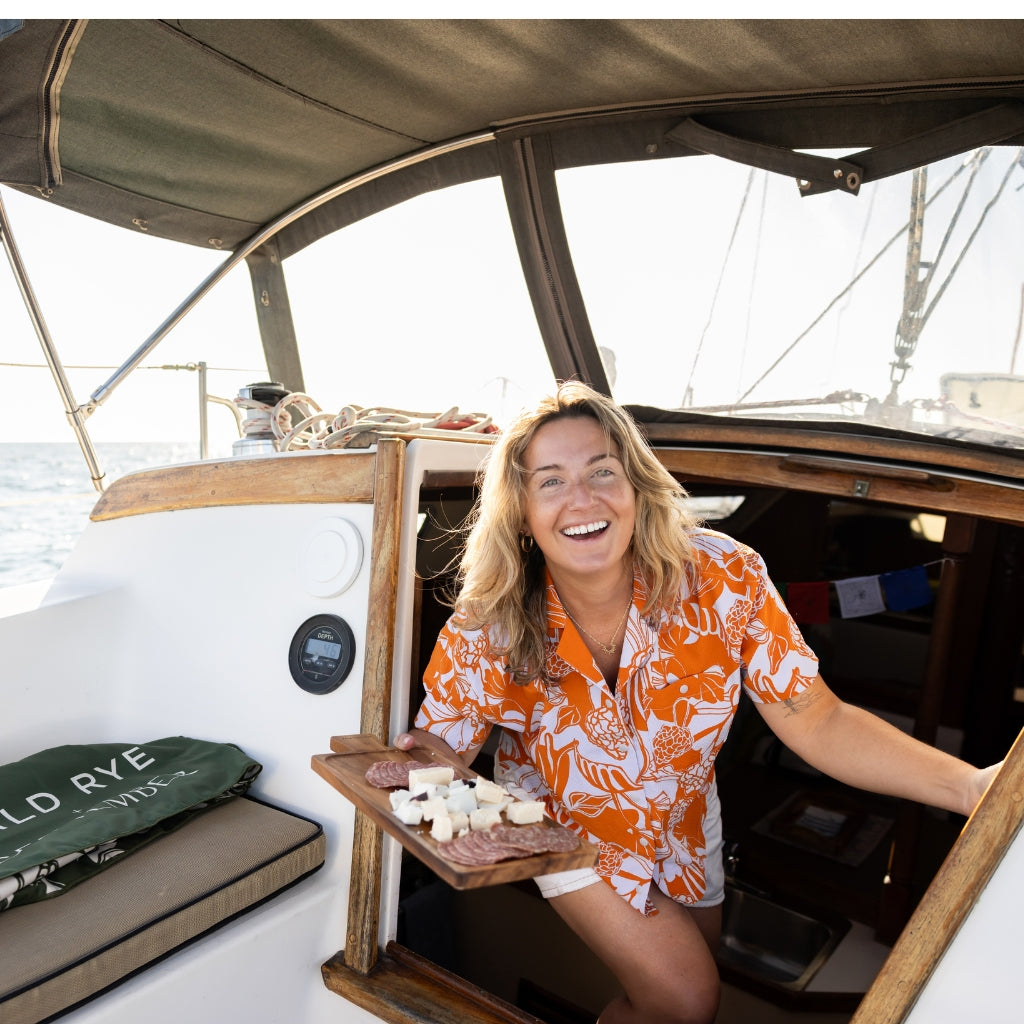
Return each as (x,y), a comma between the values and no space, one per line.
(345,769)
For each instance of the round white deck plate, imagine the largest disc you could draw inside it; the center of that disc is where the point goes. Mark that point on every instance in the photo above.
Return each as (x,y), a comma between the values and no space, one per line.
(331,558)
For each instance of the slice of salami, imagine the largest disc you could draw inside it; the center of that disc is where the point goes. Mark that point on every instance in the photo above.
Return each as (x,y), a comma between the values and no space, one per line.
(389,774)
(537,838)
(507,842)
(508,837)
(482,844)
(473,848)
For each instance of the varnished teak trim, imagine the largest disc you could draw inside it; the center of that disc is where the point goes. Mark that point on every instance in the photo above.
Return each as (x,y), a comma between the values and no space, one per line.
(787,438)
(361,936)
(322,477)
(892,485)
(404,988)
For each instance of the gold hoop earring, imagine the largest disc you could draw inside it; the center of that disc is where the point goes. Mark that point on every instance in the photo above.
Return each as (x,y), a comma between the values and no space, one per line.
(525,543)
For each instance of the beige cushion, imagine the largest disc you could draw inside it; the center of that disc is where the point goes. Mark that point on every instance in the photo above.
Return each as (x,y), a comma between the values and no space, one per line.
(63,950)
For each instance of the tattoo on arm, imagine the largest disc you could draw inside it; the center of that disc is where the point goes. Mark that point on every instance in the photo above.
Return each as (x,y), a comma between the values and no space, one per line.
(801,702)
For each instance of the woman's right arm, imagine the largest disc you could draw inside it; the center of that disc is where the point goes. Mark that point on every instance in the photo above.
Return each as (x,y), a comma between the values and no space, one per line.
(422,738)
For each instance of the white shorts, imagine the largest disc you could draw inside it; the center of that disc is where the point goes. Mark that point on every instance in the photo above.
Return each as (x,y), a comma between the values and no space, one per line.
(561,882)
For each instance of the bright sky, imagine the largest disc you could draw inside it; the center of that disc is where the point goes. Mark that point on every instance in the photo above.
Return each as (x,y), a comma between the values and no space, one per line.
(419,308)
(102,291)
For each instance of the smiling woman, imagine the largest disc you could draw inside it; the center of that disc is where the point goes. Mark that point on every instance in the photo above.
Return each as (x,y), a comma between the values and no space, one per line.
(619,735)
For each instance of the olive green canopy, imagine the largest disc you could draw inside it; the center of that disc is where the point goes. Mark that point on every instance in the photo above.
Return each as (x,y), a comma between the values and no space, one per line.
(203,131)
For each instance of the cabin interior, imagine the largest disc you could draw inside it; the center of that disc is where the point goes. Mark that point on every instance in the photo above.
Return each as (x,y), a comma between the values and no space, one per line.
(949,671)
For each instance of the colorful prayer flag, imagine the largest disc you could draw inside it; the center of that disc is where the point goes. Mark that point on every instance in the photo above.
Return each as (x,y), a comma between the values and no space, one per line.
(906,588)
(808,602)
(859,595)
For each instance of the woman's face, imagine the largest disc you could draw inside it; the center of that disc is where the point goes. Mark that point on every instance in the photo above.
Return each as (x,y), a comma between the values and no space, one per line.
(580,506)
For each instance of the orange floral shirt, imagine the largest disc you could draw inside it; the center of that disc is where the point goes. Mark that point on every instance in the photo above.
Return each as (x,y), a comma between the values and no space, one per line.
(630,770)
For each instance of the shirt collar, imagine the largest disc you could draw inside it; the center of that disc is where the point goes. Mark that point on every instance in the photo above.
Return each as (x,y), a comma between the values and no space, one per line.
(566,651)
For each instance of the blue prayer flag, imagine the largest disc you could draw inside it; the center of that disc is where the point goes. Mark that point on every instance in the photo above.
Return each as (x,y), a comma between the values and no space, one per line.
(906,589)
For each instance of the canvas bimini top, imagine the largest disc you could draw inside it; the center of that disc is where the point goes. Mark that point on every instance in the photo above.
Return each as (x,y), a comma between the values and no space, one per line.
(261,137)
(209,129)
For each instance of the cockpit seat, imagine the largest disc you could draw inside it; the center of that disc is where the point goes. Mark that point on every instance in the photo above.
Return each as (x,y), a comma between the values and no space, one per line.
(63,951)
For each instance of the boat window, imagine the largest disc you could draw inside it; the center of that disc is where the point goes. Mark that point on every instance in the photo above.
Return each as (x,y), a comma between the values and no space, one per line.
(420,307)
(716,288)
(102,291)
(713,508)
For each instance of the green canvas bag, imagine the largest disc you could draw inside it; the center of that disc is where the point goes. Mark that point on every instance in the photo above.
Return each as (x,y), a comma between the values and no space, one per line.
(68,812)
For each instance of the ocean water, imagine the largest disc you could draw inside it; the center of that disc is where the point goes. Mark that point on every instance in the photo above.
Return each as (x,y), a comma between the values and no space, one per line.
(46,496)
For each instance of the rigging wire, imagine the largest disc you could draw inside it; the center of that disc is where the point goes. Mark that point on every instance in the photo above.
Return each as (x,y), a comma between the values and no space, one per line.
(688,392)
(753,282)
(900,233)
(970,241)
(872,196)
(167,366)
(917,322)
(1020,327)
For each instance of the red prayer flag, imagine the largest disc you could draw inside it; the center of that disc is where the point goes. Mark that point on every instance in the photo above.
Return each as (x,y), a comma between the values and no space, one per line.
(808,602)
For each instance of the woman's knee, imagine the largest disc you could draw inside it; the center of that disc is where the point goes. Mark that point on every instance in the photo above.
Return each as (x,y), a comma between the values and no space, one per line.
(679,994)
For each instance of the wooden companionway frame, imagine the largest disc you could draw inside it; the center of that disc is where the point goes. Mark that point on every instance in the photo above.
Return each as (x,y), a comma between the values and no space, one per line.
(360,952)
(948,901)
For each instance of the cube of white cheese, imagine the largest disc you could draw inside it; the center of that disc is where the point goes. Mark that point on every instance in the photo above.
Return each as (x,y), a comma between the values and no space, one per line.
(460,821)
(432,808)
(438,774)
(488,792)
(409,813)
(431,789)
(483,818)
(398,797)
(525,812)
(462,799)
(441,828)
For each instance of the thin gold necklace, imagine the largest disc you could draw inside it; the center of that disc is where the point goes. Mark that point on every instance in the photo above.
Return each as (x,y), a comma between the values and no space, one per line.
(607,648)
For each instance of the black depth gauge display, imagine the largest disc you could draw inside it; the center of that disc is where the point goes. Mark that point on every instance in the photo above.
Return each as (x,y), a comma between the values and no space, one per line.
(321,653)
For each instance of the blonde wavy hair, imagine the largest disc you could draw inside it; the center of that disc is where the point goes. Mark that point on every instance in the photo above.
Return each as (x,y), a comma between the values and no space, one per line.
(500,580)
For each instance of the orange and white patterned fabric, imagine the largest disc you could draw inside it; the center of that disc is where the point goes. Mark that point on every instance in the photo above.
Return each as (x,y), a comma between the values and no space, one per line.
(630,770)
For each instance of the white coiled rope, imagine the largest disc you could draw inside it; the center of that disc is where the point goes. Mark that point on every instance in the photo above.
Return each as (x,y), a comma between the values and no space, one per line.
(319,429)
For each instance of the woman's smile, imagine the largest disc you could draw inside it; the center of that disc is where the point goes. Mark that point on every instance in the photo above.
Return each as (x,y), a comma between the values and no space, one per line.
(586,531)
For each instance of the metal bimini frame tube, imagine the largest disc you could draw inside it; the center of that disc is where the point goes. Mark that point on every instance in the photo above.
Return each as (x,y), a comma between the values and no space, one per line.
(73,411)
(101,394)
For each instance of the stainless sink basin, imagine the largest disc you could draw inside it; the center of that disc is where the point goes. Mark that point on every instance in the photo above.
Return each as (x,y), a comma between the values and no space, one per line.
(775,944)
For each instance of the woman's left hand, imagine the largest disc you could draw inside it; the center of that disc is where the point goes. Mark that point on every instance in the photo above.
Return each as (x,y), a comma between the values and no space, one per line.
(979,784)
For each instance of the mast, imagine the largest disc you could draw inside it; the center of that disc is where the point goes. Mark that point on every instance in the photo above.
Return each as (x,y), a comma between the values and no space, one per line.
(915,288)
